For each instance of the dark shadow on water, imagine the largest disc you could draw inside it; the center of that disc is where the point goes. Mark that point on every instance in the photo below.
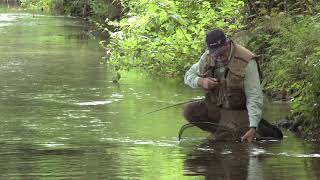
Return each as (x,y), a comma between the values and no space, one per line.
(79,36)
(221,160)
(28,151)
(34,161)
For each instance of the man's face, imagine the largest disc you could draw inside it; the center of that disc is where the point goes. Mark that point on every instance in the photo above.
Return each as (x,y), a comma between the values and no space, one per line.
(222,53)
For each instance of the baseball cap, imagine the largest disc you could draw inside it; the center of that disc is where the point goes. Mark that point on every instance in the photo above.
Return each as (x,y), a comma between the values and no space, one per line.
(215,39)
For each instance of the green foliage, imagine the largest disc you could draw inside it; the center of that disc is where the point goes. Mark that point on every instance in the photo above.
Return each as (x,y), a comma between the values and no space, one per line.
(48,6)
(295,60)
(286,34)
(291,61)
(165,37)
(96,10)
(44,5)
(255,9)
(103,9)
(79,8)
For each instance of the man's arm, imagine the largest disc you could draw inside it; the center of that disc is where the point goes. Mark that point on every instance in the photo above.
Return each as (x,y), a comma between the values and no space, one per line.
(254,96)
(191,77)
(253,93)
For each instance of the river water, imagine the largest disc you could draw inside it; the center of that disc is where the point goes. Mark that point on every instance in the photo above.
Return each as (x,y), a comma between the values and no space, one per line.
(63,118)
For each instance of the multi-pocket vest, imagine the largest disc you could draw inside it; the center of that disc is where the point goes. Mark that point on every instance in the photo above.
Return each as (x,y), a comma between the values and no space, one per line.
(230,93)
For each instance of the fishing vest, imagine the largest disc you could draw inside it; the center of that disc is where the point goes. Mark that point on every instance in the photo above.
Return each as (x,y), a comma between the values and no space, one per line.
(230,93)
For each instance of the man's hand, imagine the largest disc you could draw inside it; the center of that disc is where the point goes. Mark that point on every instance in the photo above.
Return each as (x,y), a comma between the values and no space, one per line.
(249,136)
(208,83)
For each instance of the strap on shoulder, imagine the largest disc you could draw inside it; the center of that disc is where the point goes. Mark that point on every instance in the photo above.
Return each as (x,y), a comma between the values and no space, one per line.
(257,59)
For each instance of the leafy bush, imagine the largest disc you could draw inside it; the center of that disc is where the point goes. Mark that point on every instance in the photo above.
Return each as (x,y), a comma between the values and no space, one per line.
(103,9)
(44,5)
(255,9)
(291,61)
(97,10)
(165,36)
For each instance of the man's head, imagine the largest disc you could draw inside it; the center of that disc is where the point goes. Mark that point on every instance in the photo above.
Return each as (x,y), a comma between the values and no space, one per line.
(216,42)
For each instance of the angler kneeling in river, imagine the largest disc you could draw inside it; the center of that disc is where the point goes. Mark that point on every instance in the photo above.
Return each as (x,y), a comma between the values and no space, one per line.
(233,100)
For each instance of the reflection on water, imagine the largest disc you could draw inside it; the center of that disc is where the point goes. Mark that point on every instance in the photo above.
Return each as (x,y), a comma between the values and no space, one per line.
(62,117)
(261,160)
(218,161)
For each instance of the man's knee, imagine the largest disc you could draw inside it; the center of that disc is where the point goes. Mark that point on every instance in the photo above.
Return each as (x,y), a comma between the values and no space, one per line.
(187,111)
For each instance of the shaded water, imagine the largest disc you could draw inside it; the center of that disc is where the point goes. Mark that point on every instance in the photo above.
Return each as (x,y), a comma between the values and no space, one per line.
(62,117)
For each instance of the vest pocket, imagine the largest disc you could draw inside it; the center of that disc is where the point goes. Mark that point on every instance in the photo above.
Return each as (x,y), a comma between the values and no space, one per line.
(234,83)
(236,100)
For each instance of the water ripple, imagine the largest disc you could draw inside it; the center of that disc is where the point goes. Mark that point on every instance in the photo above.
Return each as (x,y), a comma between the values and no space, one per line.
(144,142)
(94,103)
(296,155)
(257,151)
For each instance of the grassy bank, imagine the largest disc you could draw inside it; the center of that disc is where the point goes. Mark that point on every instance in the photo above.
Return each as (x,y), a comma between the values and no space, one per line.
(290,49)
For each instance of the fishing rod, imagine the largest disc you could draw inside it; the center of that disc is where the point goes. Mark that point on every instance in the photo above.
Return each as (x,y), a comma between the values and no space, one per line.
(167,107)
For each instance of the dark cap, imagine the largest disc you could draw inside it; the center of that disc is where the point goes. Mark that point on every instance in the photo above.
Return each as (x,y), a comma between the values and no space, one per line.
(215,39)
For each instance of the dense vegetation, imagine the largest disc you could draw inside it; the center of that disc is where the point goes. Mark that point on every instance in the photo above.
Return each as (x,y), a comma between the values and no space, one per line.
(165,37)
(96,10)
(287,38)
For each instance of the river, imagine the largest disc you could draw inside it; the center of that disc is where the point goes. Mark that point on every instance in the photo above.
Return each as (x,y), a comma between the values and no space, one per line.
(63,118)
